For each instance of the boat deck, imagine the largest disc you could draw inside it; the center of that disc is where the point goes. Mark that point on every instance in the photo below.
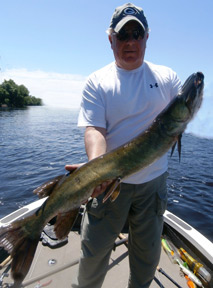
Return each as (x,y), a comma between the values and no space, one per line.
(52,267)
(58,267)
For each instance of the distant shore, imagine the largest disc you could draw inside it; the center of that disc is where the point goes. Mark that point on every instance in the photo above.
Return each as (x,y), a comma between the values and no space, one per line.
(5,106)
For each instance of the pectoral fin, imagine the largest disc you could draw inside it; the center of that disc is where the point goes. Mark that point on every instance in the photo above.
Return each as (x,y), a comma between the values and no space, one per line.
(178,142)
(113,190)
(179,145)
(115,193)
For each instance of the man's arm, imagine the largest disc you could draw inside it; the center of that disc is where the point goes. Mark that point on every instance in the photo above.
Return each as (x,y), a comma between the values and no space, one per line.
(95,145)
(95,142)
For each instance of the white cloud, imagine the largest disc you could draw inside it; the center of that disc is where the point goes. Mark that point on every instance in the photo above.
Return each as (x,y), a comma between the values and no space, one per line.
(55,89)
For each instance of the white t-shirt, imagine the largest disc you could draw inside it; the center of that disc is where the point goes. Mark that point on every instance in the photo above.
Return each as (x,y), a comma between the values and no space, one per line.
(126,102)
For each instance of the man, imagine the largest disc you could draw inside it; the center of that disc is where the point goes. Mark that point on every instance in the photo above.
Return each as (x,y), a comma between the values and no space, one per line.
(120,101)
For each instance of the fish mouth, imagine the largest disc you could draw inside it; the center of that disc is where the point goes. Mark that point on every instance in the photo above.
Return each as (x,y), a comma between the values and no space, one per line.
(195,80)
(193,89)
(199,79)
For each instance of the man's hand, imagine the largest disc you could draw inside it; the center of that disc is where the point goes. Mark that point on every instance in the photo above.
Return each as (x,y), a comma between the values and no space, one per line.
(100,189)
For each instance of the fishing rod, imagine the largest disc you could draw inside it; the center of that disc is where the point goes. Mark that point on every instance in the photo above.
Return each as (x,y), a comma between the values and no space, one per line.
(124,240)
(168,277)
(158,282)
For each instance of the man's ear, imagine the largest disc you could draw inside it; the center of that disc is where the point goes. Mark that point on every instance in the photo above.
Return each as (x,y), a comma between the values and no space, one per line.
(110,39)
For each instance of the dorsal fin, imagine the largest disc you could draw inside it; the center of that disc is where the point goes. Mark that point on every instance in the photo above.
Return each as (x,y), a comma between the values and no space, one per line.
(47,188)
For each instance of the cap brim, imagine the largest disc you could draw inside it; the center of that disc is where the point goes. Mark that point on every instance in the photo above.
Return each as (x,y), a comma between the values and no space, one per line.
(125,20)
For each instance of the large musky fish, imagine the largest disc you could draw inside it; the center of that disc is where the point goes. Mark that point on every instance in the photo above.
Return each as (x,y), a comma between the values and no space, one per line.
(67,193)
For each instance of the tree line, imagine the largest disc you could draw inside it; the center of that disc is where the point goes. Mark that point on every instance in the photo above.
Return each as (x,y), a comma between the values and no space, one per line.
(16,96)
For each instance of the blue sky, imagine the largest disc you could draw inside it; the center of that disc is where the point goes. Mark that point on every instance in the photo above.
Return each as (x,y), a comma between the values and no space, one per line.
(51,46)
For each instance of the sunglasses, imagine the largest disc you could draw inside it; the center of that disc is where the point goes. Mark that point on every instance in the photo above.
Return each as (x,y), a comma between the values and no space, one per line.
(123,35)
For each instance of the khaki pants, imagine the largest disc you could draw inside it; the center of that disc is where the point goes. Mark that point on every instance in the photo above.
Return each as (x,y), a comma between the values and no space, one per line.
(144,205)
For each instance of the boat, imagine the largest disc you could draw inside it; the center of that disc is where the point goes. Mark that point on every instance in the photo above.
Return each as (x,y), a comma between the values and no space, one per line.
(55,263)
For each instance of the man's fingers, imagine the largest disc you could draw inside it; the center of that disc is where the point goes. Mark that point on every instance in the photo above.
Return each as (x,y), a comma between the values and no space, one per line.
(72,167)
(100,189)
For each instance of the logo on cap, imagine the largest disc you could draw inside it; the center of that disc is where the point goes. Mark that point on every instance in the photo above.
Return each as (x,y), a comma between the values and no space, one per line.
(129,11)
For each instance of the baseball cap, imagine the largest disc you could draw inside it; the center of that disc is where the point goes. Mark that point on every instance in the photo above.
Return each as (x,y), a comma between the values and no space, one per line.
(126,13)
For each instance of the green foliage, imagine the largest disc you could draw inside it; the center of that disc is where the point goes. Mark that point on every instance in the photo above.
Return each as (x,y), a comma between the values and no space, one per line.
(16,96)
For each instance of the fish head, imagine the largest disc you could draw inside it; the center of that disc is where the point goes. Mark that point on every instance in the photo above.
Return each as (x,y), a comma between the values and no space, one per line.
(192,92)
(183,107)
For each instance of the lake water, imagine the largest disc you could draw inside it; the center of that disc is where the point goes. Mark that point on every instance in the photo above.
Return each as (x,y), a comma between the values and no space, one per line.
(37,142)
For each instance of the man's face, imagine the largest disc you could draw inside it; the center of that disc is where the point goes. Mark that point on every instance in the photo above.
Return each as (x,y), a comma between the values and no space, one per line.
(129,53)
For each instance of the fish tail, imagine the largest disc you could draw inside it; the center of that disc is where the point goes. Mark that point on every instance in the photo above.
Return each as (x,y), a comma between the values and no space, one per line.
(15,239)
